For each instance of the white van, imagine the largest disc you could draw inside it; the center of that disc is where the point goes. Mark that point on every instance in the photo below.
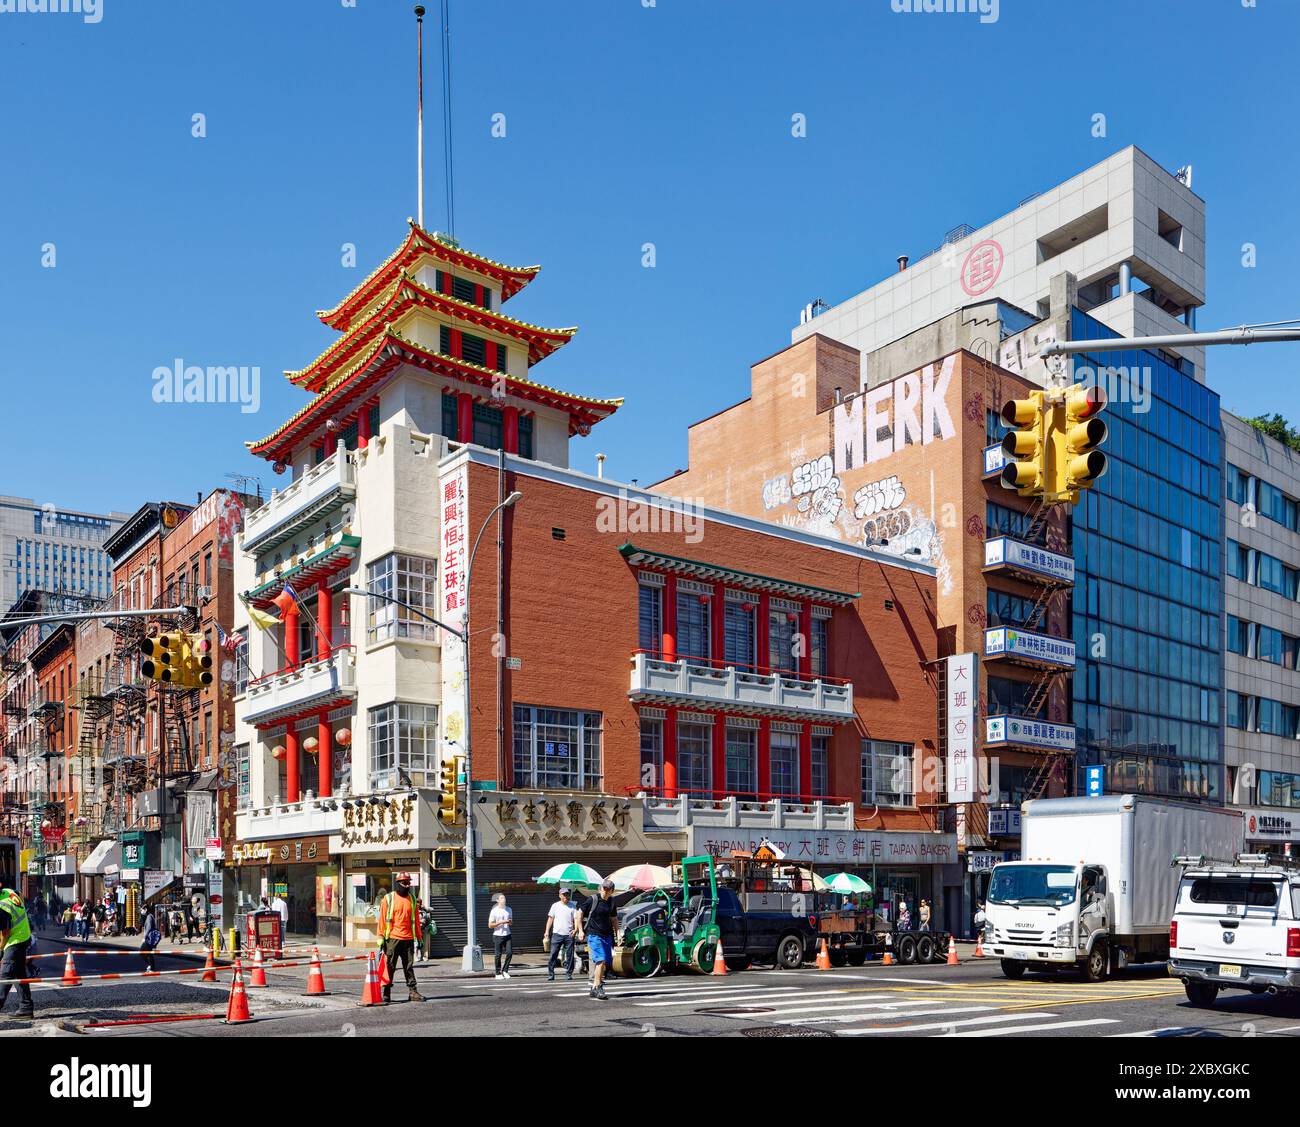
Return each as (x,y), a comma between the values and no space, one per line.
(1236,926)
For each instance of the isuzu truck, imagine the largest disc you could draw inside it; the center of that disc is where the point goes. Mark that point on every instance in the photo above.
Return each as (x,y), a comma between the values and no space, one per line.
(1097,884)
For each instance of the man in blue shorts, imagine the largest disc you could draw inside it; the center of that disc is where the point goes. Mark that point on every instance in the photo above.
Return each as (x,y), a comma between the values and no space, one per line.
(599,919)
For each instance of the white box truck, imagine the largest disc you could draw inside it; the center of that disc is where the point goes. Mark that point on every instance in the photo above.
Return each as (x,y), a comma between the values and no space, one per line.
(1096,887)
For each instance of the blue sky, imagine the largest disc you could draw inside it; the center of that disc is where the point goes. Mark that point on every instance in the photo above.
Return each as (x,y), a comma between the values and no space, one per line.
(625,125)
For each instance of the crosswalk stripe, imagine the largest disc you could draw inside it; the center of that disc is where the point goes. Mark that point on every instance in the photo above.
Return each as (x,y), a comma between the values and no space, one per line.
(993,1020)
(857,1013)
(886,1015)
(767,996)
(695,991)
(797,1001)
(1044,1025)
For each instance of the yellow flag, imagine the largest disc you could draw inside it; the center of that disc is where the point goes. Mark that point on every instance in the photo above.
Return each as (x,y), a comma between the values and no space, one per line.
(261,619)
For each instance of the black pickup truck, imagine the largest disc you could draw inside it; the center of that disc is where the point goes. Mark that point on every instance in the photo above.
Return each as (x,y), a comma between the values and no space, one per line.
(789,934)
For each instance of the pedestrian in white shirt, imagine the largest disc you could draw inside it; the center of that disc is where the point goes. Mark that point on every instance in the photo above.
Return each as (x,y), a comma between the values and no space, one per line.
(278,905)
(561,923)
(501,920)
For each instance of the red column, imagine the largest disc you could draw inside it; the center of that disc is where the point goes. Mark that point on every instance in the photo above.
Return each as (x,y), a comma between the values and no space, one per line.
(764,634)
(457,344)
(719,626)
(464,417)
(490,354)
(291,764)
(444,276)
(669,781)
(669,647)
(324,756)
(478,293)
(291,649)
(363,427)
(805,628)
(324,619)
(511,419)
(805,760)
(720,753)
(764,755)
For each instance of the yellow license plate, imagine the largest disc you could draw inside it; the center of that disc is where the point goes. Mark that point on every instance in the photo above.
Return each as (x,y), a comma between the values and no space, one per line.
(1229,970)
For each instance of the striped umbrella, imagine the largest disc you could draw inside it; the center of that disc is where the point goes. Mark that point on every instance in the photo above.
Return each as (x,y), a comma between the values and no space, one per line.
(640,877)
(571,875)
(847,884)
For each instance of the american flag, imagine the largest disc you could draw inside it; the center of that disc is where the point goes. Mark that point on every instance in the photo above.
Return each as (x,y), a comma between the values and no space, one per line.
(229,642)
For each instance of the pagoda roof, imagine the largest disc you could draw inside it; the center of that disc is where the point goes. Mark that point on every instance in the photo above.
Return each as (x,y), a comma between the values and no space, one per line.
(370,366)
(418,244)
(404,294)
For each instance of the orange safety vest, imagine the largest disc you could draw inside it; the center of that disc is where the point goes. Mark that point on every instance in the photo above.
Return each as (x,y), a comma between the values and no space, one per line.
(399,917)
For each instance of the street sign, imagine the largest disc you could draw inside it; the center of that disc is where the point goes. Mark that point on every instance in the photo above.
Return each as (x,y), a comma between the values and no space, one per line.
(1094,781)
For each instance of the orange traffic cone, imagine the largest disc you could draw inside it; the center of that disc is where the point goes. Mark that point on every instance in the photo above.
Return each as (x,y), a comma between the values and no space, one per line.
(719,963)
(952,952)
(209,969)
(315,979)
(370,995)
(70,975)
(824,956)
(237,1008)
(979,945)
(887,959)
(259,971)
(385,979)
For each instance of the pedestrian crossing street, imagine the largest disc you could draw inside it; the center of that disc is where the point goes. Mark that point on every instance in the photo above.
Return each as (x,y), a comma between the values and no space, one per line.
(869,1004)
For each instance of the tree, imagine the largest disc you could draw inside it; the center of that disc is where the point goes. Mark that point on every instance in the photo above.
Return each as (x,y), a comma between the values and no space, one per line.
(1275,426)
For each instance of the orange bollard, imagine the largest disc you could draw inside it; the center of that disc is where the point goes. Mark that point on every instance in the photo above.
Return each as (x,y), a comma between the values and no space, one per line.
(824,956)
(258,977)
(719,963)
(237,1008)
(315,979)
(70,975)
(370,995)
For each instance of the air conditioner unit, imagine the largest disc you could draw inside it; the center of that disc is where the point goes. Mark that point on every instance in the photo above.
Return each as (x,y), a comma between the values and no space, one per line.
(204,593)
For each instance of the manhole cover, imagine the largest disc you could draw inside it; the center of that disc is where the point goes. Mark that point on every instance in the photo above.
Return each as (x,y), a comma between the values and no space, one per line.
(724,1011)
(785,1031)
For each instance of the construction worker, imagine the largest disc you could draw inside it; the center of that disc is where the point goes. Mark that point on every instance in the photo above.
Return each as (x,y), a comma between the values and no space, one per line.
(16,934)
(399,932)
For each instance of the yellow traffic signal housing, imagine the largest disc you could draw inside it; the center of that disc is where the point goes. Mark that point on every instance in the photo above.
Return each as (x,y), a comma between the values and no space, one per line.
(1025,445)
(1079,461)
(162,658)
(197,661)
(449,800)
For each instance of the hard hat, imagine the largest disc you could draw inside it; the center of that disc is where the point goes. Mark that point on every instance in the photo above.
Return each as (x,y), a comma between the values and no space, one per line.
(403,878)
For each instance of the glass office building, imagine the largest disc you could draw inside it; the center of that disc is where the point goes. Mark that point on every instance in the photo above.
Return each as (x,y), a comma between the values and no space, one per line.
(1148,594)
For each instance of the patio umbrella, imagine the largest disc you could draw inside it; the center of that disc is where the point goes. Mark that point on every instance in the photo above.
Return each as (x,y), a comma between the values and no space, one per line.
(847,884)
(818,881)
(571,875)
(640,877)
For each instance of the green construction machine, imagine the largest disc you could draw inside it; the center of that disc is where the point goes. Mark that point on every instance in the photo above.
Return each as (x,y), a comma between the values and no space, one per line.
(673,928)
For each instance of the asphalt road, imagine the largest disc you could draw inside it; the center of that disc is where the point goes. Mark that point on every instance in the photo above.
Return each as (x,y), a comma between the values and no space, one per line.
(969,1000)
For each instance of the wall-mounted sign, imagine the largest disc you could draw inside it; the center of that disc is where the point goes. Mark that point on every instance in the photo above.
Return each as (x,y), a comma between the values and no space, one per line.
(1003,551)
(385,821)
(1271,825)
(1004,731)
(983,860)
(1004,821)
(832,847)
(994,459)
(1095,781)
(962,694)
(286,851)
(1027,645)
(64,865)
(155,880)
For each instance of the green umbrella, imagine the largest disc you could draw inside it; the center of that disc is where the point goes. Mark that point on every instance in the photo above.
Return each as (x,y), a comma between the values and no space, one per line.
(847,884)
(571,875)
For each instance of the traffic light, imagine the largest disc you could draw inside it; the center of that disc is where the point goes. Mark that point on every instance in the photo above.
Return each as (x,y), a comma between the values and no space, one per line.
(1025,445)
(1080,462)
(162,658)
(449,801)
(196,661)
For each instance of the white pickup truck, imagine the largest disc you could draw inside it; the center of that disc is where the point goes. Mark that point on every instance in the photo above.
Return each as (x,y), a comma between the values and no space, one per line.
(1236,925)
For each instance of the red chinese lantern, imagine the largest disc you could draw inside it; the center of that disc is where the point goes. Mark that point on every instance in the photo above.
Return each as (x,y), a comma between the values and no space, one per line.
(343,737)
(747,607)
(310,745)
(277,752)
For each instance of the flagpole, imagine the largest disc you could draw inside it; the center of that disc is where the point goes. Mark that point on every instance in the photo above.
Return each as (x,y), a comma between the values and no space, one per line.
(419,112)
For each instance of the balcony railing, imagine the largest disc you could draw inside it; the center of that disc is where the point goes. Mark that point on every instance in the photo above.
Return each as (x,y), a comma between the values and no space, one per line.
(301,688)
(737,688)
(309,816)
(747,811)
(320,491)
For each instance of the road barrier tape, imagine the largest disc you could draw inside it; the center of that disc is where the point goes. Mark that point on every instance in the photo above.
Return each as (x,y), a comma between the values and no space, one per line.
(113,976)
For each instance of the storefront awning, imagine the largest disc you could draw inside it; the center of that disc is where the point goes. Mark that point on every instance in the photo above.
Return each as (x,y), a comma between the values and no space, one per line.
(207,780)
(107,852)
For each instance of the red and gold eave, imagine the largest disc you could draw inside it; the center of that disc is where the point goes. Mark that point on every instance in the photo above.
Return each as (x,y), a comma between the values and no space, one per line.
(419,244)
(384,355)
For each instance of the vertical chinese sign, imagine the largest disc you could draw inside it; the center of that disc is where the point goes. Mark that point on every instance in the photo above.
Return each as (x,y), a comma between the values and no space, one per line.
(963,692)
(454,514)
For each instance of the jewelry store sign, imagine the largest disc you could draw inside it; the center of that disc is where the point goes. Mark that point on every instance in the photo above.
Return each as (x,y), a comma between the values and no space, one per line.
(570,821)
(832,847)
(383,821)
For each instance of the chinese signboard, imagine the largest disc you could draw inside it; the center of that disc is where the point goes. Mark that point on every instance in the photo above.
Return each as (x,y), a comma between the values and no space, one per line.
(983,860)
(1027,557)
(1004,821)
(453,508)
(832,847)
(1005,641)
(1095,782)
(963,692)
(1270,825)
(570,821)
(1027,732)
(374,826)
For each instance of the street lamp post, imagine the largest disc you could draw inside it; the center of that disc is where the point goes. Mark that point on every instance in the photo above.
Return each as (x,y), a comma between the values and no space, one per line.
(472,956)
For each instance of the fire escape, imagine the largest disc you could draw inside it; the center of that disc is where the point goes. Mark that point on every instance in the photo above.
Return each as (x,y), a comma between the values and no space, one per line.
(90,699)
